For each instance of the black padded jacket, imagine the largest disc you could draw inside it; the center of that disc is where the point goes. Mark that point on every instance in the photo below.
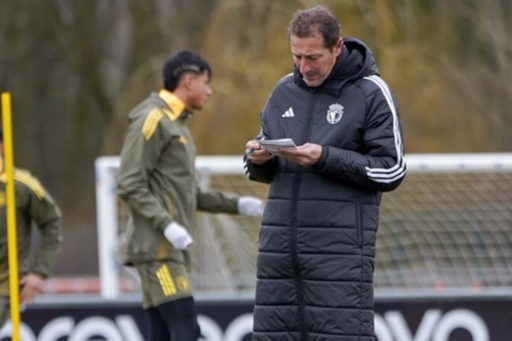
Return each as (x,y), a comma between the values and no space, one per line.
(317,240)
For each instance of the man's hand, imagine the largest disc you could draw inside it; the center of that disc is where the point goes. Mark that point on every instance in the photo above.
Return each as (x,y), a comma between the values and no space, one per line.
(250,206)
(32,285)
(257,154)
(306,155)
(178,236)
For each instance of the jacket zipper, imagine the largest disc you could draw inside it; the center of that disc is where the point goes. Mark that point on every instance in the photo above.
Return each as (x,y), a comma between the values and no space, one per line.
(293,229)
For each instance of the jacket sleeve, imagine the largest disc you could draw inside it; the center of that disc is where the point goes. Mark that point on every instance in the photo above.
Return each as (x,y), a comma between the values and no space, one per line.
(261,173)
(379,165)
(144,142)
(45,213)
(216,202)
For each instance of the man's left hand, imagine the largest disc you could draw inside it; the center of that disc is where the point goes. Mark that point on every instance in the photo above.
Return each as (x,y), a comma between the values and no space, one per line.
(250,206)
(33,285)
(306,155)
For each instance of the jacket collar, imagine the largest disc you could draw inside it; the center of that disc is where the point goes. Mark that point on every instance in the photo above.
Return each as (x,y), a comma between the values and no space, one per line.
(177,106)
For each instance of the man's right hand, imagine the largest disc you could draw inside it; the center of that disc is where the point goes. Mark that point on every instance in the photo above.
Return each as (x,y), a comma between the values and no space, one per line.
(178,236)
(257,154)
(32,285)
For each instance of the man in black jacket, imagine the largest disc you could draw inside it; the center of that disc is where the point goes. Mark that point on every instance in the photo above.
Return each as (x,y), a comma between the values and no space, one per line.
(317,240)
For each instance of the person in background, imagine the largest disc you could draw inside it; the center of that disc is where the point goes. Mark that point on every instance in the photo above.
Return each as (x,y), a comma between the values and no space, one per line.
(33,205)
(317,239)
(158,182)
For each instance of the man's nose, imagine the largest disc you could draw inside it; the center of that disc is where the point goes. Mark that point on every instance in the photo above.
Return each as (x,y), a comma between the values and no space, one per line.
(304,66)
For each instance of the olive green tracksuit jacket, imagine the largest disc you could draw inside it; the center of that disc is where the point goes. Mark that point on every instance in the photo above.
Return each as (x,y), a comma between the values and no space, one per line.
(158,182)
(33,205)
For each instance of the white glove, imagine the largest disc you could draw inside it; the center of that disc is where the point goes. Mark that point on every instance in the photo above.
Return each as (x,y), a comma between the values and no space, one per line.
(178,236)
(250,206)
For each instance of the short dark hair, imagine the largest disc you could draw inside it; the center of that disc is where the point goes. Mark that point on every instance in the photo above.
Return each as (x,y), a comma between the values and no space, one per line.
(308,22)
(180,63)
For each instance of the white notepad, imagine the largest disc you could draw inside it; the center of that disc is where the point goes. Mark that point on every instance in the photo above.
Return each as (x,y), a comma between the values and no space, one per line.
(272,145)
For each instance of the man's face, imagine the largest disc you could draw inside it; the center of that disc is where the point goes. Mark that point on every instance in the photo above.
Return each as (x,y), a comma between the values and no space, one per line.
(313,59)
(200,90)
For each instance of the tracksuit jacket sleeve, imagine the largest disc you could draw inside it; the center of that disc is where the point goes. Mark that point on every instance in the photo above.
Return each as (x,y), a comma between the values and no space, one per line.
(261,173)
(380,164)
(217,202)
(138,158)
(46,215)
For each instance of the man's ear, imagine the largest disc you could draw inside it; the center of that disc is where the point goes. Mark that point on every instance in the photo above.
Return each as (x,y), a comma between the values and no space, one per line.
(187,80)
(338,47)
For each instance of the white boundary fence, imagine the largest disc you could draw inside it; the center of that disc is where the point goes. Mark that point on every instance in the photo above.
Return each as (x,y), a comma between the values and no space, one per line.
(106,200)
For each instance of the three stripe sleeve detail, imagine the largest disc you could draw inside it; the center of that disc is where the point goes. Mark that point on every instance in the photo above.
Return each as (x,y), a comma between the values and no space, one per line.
(388,175)
(151,122)
(28,181)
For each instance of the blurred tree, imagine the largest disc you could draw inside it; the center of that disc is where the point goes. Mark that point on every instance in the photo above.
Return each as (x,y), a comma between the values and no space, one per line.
(67,65)
(249,43)
(482,66)
(76,68)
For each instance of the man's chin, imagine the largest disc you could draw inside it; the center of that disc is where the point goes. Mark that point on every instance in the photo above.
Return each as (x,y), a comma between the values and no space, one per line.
(312,83)
(197,107)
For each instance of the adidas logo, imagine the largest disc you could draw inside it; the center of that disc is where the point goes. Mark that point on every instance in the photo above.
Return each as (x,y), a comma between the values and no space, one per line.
(289,113)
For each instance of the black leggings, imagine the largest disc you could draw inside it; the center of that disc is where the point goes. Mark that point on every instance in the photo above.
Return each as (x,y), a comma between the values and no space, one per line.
(176,321)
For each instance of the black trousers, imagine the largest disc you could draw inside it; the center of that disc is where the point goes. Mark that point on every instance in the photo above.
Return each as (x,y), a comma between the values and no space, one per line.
(176,321)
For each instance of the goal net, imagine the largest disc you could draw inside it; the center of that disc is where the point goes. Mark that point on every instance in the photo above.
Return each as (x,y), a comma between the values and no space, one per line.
(448,226)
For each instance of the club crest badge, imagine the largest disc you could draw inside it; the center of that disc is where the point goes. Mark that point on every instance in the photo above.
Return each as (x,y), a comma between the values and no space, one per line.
(335,113)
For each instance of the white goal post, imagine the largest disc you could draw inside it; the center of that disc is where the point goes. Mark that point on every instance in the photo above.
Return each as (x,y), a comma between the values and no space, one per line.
(107,210)
(423,236)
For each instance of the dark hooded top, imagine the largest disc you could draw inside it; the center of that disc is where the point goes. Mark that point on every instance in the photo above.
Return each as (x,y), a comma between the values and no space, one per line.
(317,239)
